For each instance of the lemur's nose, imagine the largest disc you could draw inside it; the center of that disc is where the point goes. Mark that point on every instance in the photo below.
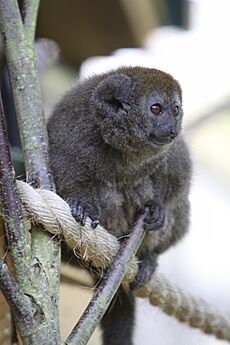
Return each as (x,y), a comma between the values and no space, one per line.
(172,133)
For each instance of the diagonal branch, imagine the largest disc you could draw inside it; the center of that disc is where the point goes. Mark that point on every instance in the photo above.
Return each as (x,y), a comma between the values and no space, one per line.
(97,307)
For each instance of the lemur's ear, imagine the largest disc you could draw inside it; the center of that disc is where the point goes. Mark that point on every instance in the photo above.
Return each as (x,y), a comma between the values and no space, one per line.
(112,94)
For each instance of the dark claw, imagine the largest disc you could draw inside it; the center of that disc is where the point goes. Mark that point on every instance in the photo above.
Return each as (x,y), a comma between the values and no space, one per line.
(80,213)
(155,217)
(94,223)
(83,217)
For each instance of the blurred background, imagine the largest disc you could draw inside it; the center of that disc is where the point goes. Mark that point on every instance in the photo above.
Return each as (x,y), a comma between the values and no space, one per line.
(190,40)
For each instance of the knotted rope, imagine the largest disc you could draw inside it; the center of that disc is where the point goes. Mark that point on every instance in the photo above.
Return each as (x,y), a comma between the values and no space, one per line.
(100,247)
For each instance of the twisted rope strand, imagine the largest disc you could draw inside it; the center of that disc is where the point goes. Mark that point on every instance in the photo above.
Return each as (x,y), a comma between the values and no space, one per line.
(100,247)
(183,306)
(53,213)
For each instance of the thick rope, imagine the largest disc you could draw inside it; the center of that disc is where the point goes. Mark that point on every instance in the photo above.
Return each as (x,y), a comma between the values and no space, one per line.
(182,305)
(44,207)
(99,247)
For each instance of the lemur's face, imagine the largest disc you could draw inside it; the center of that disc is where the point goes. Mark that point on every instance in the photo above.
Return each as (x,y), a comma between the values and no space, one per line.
(138,108)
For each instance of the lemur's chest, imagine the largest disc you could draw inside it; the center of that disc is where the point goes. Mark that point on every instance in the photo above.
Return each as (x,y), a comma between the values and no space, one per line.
(120,204)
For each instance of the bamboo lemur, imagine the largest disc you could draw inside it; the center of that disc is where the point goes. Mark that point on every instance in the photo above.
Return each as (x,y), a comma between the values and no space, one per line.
(115,148)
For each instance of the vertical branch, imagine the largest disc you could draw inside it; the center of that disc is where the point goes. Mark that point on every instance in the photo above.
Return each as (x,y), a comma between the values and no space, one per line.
(6,331)
(29,16)
(11,207)
(28,314)
(26,93)
(42,280)
(11,210)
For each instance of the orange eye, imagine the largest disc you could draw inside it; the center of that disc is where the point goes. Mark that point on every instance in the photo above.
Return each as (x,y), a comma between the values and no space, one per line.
(176,110)
(156,109)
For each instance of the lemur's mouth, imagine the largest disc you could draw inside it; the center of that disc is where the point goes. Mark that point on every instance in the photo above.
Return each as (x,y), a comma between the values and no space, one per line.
(160,141)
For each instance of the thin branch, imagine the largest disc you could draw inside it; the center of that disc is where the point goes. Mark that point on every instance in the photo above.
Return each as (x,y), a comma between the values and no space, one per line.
(29,16)
(19,303)
(97,307)
(11,208)
(26,93)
